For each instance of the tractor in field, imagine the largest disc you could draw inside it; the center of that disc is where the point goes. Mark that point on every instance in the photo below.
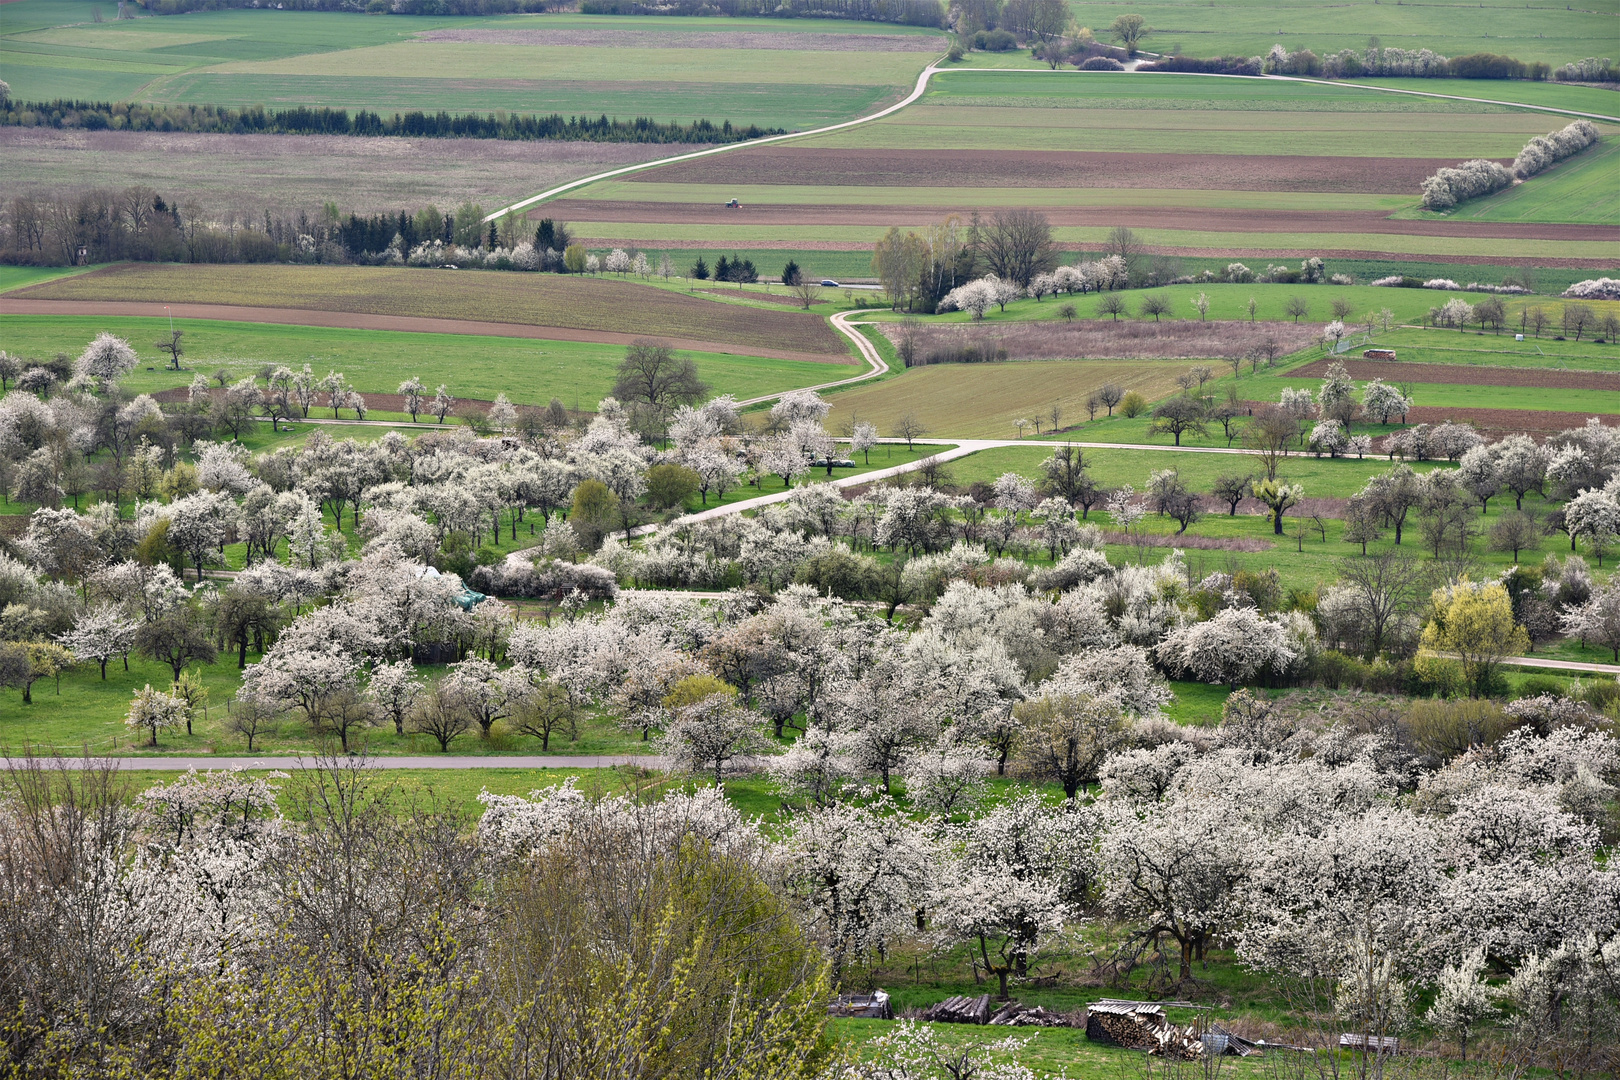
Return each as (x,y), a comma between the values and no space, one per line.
(733,205)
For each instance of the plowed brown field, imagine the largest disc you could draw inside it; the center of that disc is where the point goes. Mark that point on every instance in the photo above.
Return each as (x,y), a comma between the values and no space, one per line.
(1470,374)
(1049,168)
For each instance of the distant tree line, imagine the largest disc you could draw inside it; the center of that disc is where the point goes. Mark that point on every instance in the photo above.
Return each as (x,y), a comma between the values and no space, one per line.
(256,120)
(375,7)
(904,12)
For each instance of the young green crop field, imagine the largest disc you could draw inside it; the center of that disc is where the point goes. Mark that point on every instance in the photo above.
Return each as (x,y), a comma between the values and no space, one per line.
(1585,189)
(779,73)
(377,361)
(1458,28)
(572,301)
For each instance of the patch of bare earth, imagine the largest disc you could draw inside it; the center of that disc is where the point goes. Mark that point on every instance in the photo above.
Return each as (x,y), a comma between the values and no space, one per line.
(237,175)
(1099,339)
(1049,168)
(753,40)
(1469,374)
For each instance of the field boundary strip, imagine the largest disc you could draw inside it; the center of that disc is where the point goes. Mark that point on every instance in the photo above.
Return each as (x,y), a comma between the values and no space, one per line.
(934,69)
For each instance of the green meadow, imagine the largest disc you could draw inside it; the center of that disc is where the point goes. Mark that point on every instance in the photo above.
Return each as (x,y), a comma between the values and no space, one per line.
(377,361)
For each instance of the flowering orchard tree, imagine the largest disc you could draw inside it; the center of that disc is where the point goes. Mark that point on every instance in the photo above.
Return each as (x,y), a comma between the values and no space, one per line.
(153,711)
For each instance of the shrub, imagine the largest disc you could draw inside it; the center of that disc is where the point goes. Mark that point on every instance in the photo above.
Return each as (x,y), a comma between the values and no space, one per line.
(982,352)
(1594,289)
(994,41)
(1102,63)
(1470,180)
(1218,65)
(1487,66)
(1592,69)
(546,578)
(1445,729)
(1133,405)
(1544,151)
(1537,685)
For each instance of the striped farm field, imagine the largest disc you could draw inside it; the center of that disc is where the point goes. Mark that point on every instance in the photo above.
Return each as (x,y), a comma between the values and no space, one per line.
(777,73)
(549,300)
(528,371)
(1198,167)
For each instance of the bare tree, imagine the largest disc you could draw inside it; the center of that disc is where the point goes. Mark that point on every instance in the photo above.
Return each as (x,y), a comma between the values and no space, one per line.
(1018,245)
(1154,306)
(1232,488)
(1268,438)
(1110,394)
(1297,307)
(806,291)
(1111,304)
(1387,585)
(172,346)
(909,428)
(652,374)
(1122,241)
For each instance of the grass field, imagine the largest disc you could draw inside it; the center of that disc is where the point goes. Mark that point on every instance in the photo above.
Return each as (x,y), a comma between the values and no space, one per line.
(582,303)
(982,400)
(1189,114)
(20,277)
(783,73)
(377,361)
(1250,27)
(1585,189)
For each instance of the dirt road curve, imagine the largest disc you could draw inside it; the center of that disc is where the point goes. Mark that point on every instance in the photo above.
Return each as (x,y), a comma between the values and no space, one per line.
(353,321)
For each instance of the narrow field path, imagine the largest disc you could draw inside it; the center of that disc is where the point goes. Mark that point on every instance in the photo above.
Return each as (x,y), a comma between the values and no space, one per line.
(876,364)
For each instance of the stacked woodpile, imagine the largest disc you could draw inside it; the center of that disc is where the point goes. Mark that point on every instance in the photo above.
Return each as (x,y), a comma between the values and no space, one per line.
(960,1010)
(1141,1025)
(1017,1014)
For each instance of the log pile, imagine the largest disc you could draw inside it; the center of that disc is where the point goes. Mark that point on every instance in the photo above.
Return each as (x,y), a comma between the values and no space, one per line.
(960,1010)
(1017,1014)
(1141,1025)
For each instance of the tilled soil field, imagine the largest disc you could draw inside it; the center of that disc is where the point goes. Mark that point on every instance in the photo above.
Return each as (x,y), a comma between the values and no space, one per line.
(831,167)
(1105,339)
(1507,421)
(752,40)
(552,300)
(1190,218)
(1468,374)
